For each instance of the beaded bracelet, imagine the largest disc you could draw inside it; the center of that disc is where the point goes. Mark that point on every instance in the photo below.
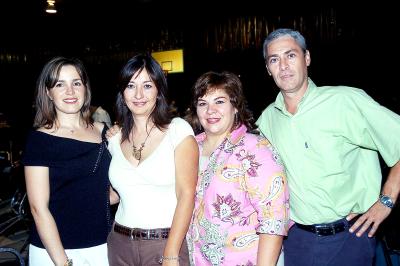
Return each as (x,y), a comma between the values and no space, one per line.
(168,258)
(68,262)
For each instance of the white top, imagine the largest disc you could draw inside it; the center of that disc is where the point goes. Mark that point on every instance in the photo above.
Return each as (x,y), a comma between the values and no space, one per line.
(147,192)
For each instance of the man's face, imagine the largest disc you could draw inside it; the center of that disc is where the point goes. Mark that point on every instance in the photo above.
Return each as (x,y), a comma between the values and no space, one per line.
(287,64)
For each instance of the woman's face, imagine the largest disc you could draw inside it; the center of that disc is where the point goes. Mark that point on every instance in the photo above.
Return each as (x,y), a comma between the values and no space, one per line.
(140,94)
(68,95)
(216,113)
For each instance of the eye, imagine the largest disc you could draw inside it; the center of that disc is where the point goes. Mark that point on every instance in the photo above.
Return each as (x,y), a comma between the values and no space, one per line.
(77,83)
(201,104)
(219,101)
(130,86)
(291,55)
(272,60)
(148,86)
(59,85)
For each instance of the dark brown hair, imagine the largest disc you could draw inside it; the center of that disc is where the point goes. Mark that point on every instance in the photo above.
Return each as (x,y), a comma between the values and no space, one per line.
(232,85)
(160,116)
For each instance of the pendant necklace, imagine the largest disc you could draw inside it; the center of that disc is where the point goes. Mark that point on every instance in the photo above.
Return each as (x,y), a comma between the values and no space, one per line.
(137,153)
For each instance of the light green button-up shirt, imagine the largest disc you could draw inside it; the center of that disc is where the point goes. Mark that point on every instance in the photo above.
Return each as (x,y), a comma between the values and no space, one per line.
(330,149)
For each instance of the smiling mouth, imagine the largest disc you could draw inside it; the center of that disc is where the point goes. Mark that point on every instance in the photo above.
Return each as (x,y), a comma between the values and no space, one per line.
(71,101)
(213,120)
(139,103)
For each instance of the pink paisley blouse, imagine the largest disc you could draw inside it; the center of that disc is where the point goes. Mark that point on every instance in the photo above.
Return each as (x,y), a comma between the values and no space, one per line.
(241,192)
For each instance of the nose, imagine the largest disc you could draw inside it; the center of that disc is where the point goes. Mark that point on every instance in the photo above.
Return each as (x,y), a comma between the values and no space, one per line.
(69,90)
(283,64)
(138,93)
(210,109)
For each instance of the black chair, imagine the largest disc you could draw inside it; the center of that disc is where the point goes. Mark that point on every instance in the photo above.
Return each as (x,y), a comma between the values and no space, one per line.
(14,252)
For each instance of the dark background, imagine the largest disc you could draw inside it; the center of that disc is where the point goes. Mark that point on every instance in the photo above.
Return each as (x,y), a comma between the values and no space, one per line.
(354,46)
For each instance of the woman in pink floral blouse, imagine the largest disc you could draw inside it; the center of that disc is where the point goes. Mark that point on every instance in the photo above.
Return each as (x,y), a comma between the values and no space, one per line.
(242,204)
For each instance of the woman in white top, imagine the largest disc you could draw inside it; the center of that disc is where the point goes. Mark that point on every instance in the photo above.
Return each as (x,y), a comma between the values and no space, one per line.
(153,169)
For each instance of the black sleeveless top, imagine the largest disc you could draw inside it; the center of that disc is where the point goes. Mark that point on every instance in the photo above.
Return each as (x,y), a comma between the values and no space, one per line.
(79,187)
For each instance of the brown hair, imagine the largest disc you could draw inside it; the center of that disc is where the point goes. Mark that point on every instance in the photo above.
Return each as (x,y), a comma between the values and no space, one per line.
(160,116)
(45,110)
(232,85)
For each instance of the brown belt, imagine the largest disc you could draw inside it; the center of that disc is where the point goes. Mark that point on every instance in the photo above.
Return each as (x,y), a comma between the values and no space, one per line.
(142,234)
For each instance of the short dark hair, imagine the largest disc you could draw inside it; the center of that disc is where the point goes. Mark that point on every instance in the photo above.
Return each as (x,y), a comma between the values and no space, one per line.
(160,116)
(231,84)
(45,110)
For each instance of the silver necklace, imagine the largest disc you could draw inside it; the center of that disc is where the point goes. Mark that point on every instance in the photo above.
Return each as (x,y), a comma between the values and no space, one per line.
(137,153)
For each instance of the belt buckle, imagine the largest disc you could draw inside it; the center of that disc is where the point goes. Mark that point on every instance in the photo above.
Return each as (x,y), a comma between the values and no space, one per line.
(324,230)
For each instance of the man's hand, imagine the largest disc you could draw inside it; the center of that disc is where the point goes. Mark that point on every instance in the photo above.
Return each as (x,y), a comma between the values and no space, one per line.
(372,218)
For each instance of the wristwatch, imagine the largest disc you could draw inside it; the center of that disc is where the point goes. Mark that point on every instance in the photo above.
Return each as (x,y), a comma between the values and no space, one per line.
(386,200)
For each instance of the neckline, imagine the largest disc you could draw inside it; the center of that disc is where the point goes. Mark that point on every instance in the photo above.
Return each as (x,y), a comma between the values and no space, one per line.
(141,162)
(72,139)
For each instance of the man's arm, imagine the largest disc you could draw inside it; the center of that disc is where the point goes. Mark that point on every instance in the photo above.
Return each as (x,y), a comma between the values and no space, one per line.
(378,212)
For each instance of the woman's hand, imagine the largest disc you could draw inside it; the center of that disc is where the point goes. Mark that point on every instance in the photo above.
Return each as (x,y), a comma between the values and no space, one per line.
(112,131)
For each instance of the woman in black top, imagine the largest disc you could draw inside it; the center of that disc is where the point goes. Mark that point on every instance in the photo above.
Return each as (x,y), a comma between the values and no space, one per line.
(66,171)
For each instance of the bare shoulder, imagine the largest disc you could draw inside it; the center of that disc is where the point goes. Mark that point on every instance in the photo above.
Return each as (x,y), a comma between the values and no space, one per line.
(99,126)
(50,131)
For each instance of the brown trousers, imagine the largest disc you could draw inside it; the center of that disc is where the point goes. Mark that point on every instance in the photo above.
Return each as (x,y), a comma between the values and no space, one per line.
(122,251)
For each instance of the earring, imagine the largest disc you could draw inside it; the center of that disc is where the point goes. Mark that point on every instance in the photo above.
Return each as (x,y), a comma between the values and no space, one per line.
(236,120)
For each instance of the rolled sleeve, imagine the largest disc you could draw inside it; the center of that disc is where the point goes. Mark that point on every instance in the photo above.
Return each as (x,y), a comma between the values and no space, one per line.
(267,190)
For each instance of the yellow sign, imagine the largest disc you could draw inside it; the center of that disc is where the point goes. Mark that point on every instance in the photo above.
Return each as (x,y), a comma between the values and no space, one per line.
(170,61)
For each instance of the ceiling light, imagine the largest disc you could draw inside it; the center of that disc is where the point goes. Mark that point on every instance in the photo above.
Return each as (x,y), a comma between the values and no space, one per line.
(51,7)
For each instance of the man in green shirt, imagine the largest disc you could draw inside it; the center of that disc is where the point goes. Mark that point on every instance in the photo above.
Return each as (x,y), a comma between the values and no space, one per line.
(329,139)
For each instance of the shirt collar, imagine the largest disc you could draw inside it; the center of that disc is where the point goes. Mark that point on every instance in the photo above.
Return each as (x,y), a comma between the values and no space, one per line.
(232,137)
(280,103)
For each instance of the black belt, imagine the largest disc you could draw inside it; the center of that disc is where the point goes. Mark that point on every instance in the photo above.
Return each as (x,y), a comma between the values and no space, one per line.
(329,228)
(142,234)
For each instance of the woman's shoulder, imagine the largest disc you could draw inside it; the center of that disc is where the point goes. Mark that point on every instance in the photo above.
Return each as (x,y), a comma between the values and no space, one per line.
(40,147)
(255,141)
(46,130)
(177,121)
(179,129)
(40,134)
(260,146)
(114,140)
(100,126)
(179,124)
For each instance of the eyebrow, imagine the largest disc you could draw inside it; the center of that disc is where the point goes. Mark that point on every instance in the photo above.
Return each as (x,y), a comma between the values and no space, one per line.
(215,99)
(146,81)
(220,97)
(286,52)
(63,80)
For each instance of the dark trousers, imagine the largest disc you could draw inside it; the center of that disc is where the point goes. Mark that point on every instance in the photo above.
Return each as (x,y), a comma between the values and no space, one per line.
(122,251)
(303,248)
